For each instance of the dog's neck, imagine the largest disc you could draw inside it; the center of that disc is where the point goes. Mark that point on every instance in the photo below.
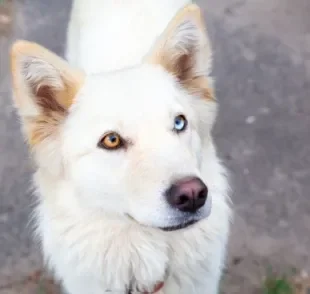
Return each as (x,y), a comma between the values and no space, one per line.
(123,31)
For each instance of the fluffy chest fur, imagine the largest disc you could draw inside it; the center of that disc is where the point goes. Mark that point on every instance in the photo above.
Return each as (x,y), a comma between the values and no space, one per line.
(97,255)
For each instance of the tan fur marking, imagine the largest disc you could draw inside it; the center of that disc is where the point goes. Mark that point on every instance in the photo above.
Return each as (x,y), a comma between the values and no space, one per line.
(192,11)
(44,126)
(50,104)
(46,99)
(201,87)
(181,65)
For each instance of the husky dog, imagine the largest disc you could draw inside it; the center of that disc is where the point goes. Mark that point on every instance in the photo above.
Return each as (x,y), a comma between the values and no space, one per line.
(132,197)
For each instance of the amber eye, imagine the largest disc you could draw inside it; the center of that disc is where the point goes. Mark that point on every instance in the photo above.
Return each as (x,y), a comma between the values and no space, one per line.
(111,141)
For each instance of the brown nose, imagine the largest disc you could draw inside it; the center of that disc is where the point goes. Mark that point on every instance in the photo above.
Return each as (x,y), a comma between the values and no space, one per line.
(187,195)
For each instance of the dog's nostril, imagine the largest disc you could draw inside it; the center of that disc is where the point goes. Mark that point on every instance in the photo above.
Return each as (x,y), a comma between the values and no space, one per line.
(202,194)
(183,199)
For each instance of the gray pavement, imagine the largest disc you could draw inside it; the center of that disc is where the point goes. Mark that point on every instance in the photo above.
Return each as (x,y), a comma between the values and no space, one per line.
(262,69)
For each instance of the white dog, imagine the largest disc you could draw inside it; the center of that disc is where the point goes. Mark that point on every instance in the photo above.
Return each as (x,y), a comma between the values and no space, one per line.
(121,137)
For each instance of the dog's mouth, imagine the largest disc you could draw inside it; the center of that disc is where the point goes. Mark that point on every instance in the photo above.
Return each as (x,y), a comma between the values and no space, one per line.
(179,227)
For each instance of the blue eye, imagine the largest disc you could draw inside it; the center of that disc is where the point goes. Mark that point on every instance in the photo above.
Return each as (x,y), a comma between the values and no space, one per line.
(180,123)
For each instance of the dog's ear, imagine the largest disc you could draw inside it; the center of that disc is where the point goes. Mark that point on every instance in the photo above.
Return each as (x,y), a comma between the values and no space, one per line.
(184,50)
(44,87)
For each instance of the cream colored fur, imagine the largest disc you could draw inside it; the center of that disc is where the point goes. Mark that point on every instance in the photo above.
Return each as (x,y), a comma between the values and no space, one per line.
(99,212)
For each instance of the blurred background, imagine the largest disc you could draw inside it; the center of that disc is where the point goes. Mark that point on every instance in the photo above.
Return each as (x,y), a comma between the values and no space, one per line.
(262,71)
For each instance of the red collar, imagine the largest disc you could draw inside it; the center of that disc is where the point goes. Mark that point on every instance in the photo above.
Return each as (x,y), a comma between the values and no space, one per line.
(156,289)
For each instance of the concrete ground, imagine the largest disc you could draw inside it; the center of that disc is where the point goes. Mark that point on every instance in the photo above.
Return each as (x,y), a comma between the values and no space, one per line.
(262,68)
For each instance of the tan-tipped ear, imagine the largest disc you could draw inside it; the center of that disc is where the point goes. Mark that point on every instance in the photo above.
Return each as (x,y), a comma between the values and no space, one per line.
(44,87)
(184,50)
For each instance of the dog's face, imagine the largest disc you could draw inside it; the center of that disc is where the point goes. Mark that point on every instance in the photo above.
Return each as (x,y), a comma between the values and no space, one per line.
(125,152)
(129,142)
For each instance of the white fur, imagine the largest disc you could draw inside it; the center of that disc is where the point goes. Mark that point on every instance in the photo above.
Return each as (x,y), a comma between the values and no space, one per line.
(106,35)
(84,201)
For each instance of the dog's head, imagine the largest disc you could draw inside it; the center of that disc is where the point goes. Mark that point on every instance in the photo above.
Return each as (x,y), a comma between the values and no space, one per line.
(128,142)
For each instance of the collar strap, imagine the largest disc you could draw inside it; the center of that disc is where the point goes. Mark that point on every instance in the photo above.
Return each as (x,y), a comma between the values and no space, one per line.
(156,289)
